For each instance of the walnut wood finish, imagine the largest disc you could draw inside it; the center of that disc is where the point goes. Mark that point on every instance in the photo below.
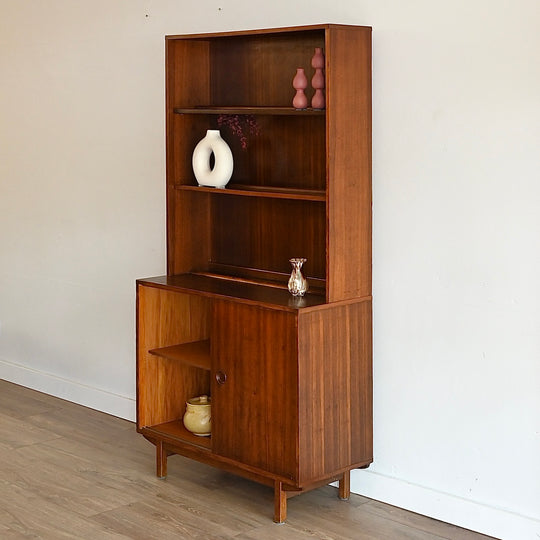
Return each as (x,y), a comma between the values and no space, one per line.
(348,73)
(255,414)
(195,353)
(335,388)
(167,318)
(327,151)
(290,378)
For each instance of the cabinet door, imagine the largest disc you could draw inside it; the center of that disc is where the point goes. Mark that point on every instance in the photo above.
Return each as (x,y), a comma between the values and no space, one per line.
(255,387)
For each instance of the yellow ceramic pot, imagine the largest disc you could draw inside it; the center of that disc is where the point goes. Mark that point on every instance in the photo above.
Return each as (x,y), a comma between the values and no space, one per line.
(197,418)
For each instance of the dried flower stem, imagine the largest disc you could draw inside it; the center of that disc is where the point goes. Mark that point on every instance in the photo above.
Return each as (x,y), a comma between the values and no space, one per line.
(240,125)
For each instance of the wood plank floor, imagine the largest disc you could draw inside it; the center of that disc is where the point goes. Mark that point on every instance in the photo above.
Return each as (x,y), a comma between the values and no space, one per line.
(70,472)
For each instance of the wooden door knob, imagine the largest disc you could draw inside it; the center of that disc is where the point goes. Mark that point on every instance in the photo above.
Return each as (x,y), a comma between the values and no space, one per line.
(221,377)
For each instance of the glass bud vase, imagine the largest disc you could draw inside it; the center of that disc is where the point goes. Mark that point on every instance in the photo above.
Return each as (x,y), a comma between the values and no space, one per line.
(298,284)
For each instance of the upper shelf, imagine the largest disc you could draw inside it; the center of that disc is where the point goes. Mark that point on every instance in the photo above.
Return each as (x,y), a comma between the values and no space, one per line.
(269,111)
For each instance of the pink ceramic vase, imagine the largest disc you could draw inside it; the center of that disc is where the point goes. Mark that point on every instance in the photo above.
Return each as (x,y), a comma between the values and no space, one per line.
(317,61)
(318,101)
(299,83)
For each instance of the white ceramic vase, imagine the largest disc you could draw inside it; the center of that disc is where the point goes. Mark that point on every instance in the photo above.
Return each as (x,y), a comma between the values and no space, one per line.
(221,173)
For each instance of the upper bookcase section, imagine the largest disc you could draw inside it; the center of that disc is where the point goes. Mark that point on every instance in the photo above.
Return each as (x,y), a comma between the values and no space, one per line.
(302,186)
(240,69)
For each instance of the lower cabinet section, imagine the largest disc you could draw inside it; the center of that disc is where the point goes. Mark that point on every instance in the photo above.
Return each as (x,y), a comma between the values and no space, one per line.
(290,387)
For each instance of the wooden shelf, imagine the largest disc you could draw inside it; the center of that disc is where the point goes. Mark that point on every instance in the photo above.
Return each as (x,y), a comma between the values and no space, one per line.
(175,431)
(195,353)
(260,191)
(240,291)
(267,111)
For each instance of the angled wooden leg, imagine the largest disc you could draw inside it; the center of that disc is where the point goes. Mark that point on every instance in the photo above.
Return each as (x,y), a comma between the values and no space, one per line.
(280,503)
(345,486)
(161,460)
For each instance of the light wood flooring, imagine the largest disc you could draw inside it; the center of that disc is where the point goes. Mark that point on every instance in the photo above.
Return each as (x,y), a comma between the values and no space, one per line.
(71,472)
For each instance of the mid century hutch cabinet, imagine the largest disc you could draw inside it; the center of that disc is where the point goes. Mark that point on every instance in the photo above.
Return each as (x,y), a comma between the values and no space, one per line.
(290,378)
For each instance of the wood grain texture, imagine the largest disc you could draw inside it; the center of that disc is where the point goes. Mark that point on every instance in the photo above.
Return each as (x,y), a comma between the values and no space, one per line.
(335,389)
(290,378)
(256,229)
(255,410)
(187,82)
(194,353)
(164,385)
(262,68)
(188,231)
(237,290)
(344,487)
(335,149)
(280,503)
(348,58)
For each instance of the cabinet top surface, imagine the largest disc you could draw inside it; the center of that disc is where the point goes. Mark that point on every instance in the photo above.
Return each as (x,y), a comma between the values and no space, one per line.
(308,28)
(267,296)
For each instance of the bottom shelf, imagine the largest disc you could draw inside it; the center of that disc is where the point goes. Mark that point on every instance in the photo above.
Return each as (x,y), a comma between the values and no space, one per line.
(176,432)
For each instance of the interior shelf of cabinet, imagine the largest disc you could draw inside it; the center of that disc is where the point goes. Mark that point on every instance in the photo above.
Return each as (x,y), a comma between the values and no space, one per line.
(195,353)
(176,432)
(270,111)
(245,190)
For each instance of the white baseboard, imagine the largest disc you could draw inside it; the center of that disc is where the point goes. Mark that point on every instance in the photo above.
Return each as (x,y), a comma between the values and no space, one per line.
(95,398)
(466,513)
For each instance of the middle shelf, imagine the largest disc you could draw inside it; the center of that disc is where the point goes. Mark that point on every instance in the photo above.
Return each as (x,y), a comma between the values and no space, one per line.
(260,191)
(195,353)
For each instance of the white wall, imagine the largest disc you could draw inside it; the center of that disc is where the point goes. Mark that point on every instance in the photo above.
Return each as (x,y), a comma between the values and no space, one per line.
(456,176)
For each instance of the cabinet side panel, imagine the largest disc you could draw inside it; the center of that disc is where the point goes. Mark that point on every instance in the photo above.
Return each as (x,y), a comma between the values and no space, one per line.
(348,58)
(163,385)
(335,390)
(255,415)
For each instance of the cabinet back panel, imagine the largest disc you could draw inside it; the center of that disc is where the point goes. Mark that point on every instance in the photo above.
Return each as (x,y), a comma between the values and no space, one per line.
(188,72)
(265,233)
(258,70)
(254,70)
(287,151)
(186,131)
(188,235)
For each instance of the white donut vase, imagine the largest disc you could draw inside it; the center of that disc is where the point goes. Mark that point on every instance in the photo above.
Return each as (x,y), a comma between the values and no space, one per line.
(221,173)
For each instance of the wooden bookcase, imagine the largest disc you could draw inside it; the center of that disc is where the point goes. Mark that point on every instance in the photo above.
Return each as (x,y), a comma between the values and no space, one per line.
(290,379)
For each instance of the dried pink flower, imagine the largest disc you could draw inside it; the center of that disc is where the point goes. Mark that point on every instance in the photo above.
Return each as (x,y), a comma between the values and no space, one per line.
(240,125)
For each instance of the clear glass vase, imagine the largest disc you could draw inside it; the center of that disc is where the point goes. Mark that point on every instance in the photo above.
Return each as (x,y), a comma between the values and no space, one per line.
(298,284)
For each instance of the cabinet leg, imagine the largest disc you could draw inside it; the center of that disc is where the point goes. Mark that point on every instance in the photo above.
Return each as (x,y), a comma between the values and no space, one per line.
(280,503)
(344,491)
(161,460)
